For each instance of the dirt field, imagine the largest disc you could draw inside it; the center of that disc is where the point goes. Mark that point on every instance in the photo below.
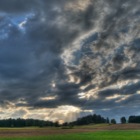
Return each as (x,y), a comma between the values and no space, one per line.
(23,132)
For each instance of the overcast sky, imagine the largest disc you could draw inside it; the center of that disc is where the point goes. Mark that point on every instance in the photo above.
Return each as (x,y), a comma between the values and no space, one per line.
(61,59)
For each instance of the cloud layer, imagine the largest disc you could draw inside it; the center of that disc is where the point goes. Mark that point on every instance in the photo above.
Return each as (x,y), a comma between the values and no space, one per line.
(83,55)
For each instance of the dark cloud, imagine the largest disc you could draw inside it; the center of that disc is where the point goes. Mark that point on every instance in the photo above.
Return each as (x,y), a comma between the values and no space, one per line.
(16,6)
(83,53)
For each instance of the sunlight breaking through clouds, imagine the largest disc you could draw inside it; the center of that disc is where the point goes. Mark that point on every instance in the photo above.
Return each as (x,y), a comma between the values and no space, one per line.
(61,59)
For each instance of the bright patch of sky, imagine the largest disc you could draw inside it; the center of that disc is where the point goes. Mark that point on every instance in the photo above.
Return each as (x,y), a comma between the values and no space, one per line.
(21,20)
(10,21)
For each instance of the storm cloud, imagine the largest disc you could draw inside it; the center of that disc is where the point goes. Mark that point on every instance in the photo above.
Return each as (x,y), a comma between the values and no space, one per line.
(81,54)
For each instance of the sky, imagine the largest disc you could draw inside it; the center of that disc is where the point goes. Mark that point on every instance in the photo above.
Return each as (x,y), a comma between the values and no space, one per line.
(63,59)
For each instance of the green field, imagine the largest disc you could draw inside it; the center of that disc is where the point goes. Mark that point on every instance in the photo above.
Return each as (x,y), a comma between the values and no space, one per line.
(102,135)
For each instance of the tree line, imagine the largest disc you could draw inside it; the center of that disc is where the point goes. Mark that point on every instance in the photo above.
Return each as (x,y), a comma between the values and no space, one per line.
(89,119)
(97,119)
(92,119)
(26,123)
(131,119)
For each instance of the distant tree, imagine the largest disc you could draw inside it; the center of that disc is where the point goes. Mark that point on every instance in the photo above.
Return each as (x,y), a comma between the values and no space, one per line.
(123,120)
(113,121)
(56,124)
(107,120)
(65,124)
(134,119)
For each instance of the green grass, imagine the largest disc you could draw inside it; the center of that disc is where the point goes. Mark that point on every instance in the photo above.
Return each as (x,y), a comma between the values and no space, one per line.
(102,135)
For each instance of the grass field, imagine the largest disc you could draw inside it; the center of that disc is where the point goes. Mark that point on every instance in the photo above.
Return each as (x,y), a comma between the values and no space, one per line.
(89,132)
(104,135)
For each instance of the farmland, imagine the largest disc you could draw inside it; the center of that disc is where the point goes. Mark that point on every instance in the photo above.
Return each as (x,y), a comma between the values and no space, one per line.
(90,132)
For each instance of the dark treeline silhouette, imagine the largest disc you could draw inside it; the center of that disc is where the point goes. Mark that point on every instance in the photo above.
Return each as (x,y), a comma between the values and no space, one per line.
(26,123)
(134,119)
(91,119)
(97,119)
(131,119)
